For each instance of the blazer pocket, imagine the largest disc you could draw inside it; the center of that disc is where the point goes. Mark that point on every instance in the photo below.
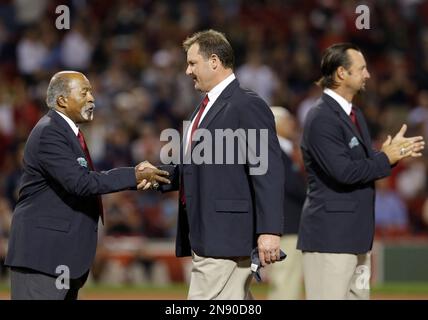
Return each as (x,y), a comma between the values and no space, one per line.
(51,223)
(339,206)
(231,206)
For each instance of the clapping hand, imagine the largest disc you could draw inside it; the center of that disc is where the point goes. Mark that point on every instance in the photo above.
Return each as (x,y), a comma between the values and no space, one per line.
(412,145)
(401,147)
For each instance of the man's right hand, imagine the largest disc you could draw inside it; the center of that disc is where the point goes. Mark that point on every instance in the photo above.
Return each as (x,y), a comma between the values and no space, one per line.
(269,250)
(147,174)
(401,147)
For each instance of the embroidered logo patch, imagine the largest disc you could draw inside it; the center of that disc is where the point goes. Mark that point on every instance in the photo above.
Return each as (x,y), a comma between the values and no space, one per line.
(82,162)
(353,143)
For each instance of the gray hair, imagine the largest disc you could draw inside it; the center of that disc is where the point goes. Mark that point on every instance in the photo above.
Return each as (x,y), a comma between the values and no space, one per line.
(58,86)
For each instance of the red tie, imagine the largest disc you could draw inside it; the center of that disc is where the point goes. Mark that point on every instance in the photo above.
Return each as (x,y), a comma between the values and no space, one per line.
(91,165)
(195,125)
(354,119)
(197,119)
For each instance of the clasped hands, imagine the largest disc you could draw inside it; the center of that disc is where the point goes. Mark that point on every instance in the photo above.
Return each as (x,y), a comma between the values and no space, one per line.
(401,147)
(148,176)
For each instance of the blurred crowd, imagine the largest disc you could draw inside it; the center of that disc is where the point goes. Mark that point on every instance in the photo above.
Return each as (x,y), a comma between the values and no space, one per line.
(131,52)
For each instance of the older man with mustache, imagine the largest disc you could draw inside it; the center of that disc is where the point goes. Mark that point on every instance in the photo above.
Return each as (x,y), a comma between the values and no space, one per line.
(55,222)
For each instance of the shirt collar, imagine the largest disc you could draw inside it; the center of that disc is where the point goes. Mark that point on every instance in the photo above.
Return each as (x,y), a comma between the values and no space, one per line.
(70,122)
(345,104)
(215,92)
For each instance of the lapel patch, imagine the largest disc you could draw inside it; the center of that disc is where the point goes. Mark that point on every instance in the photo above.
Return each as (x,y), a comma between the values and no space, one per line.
(353,143)
(82,161)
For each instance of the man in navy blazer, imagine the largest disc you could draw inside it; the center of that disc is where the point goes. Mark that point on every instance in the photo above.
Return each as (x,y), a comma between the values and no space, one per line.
(225,211)
(54,226)
(337,224)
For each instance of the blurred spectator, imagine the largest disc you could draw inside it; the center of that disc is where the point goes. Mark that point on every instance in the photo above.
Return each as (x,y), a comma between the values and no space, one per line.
(391,215)
(14,176)
(123,216)
(147,146)
(425,213)
(286,277)
(257,76)
(419,115)
(31,52)
(411,181)
(169,209)
(421,55)
(6,112)
(5,220)
(29,11)
(397,88)
(411,184)
(117,151)
(76,49)
(312,96)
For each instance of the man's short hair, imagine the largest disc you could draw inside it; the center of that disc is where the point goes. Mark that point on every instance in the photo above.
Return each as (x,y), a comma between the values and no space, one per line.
(58,86)
(212,42)
(334,57)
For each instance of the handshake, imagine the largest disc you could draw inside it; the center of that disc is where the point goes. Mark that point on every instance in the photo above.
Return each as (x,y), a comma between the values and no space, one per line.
(148,176)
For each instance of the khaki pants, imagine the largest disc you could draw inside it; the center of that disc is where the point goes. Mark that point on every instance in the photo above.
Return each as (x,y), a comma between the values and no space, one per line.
(337,276)
(286,277)
(219,279)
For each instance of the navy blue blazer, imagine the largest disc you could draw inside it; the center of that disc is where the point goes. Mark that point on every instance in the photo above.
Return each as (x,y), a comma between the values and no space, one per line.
(55,221)
(226,207)
(338,214)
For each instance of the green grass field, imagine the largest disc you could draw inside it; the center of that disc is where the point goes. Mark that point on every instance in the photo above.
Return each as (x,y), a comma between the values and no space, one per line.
(179,291)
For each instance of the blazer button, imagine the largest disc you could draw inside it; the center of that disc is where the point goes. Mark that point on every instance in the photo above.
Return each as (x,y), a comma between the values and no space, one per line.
(96,228)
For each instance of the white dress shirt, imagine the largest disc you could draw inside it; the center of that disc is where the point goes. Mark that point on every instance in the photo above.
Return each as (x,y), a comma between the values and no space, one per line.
(345,104)
(70,122)
(213,94)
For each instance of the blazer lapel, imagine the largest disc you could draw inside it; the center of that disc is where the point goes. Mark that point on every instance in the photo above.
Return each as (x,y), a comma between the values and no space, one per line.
(218,105)
(214,110)
(364,129)
(185,131)
(344,117)
(65,126)
(347,120)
